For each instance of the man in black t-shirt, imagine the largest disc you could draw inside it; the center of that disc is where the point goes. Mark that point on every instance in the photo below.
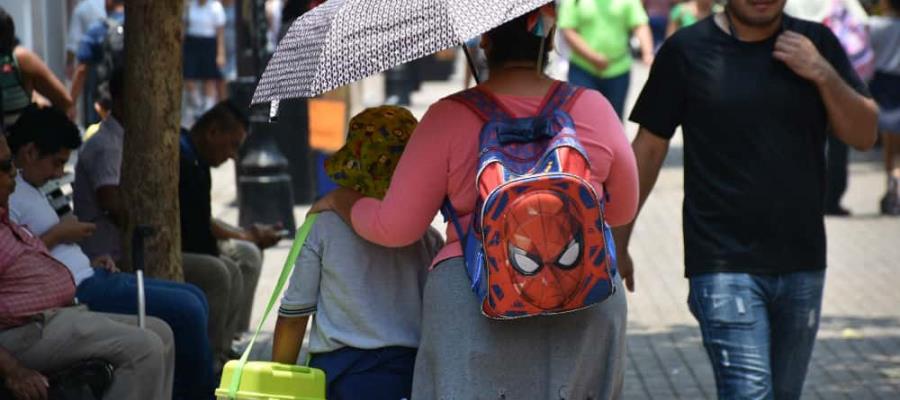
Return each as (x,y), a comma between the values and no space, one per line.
(224,261)
(755,92)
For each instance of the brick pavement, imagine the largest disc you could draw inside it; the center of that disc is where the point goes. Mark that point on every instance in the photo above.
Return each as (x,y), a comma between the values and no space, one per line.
(857,355)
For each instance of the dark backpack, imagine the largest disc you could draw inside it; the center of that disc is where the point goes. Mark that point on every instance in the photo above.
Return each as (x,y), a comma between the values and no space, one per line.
(13,97)
(113,47)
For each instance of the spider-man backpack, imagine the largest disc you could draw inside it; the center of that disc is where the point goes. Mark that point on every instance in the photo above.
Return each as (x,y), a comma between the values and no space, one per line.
(538,243)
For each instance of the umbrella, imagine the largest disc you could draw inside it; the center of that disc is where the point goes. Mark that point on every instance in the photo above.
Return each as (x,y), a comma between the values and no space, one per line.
(343,41)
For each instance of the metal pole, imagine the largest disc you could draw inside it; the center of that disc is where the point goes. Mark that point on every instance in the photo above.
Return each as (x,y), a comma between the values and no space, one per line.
(471,64)
(142,303)
(137,260)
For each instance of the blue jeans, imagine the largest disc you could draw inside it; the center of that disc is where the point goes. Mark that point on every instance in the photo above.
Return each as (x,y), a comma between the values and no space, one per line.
(182,306)
(614,89)
(658,25)
(758,330)
(382,374)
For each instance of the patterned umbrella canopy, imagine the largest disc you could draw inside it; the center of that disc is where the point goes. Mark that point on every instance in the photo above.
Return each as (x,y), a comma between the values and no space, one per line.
(343,41)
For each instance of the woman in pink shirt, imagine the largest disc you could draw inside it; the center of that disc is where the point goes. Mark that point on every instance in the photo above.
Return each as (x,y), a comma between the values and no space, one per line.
(464,355)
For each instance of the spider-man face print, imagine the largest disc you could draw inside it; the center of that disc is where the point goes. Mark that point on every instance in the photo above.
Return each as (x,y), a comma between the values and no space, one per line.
(545,245)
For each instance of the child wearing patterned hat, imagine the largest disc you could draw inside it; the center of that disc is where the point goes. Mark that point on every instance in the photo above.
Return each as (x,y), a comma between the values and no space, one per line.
(366,298)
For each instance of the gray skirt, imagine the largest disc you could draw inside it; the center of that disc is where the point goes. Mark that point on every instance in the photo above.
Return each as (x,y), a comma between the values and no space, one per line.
(464,355)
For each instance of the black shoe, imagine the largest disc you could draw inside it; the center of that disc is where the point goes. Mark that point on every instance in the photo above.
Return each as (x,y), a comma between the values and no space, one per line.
(889,205)
(837,211)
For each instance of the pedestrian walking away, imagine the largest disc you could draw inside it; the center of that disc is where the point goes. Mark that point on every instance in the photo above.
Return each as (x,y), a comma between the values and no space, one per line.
(754,151)
(23,74)
(204,55)
(885,34)
(688,13)
(83,17)
(847,20)
(658,12)
(574,355)
(599,34)
(101,51)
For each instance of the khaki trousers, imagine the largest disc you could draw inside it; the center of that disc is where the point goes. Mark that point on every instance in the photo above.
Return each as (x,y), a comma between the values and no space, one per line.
(221,282)
(229,282)
(249,259)
(144,360)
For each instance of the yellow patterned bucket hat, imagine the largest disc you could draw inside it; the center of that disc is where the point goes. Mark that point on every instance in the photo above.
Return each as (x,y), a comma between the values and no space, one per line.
(375,141)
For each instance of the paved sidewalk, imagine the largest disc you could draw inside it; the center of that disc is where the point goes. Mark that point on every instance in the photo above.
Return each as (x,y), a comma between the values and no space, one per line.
(857,355)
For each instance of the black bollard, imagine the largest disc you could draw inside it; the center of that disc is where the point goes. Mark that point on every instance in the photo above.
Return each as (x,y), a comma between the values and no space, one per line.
(291,132)
(264,185)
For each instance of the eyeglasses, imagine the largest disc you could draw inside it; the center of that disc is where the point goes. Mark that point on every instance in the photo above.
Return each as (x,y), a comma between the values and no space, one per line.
(7,165)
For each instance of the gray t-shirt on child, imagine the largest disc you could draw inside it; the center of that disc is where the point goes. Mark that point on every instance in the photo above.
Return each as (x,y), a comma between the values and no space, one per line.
(363,295)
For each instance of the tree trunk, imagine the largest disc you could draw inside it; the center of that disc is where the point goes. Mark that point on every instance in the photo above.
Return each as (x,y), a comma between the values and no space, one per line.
(152,114)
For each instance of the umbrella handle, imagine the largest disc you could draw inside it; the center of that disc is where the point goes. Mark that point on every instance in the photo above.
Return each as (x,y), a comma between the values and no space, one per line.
(471,64)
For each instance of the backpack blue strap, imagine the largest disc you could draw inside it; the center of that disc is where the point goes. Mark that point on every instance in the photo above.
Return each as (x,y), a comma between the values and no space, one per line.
(470,245)
(563,96)
(608,236)
(481,103)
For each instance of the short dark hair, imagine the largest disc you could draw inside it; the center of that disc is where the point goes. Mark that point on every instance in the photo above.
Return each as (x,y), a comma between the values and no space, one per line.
(7,32)
(48,128)
(104,98)
(513,42)
(223,117)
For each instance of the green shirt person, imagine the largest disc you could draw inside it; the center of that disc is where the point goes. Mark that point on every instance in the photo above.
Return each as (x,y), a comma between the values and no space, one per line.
(688,13)
(598,32)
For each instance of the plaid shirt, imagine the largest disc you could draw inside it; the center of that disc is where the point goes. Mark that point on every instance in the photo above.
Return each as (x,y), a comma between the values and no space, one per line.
(31,280)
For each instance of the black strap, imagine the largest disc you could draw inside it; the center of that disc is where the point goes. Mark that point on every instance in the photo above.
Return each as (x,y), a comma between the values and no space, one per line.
(450,215)
(730,24)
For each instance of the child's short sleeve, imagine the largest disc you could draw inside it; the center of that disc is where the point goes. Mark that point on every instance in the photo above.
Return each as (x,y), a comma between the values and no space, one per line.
(302,295)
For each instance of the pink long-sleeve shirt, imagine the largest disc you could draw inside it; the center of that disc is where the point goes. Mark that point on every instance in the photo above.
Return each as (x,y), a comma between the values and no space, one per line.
(442,156)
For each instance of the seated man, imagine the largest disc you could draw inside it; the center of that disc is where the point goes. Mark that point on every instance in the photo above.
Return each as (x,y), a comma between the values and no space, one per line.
(39,331)
(42,140)
(215,138)
(96,196)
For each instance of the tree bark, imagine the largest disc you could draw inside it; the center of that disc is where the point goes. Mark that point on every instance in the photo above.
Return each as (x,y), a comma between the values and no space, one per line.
(152,114)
